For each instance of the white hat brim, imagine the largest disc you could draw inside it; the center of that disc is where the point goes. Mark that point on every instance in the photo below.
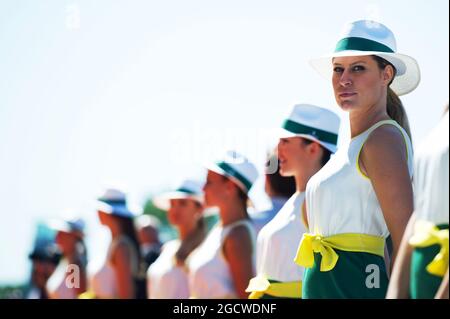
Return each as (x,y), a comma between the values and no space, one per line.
(163,201)
(404,82)
(283,133)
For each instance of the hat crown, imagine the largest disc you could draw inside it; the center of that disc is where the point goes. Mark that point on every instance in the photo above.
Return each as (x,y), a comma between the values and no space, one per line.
(190,186)
(315,117)
(114,201)
(76,224)
(114,195)
(243,165)
(372,31)
(68,225)
(187,189)
(234,162)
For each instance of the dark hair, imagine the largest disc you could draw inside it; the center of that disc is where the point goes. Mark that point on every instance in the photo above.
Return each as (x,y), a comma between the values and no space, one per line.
(128,229)
(394,105)
(281,185)
(243,196)
(81,253)
(326,153)
(139,279)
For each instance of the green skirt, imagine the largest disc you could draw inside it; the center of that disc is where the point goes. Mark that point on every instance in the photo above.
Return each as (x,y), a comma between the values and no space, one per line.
(424,285)
(356,275)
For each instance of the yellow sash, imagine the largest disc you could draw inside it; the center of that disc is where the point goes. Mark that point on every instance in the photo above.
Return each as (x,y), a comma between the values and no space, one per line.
(311,244)
(259,286)
(427,234)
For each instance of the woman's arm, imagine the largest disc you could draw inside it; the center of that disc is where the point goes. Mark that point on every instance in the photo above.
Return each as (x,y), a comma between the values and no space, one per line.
(124,275)
(238,251)
(399,281)
(384,160)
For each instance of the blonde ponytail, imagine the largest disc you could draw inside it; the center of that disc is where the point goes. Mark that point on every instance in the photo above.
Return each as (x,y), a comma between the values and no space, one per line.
(394,105)
(397,112)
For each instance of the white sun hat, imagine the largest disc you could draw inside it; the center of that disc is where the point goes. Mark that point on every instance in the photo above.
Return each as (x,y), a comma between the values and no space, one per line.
(314,123)
(366,37)
(187,189)
(114,201)
(71,226)
(236,167)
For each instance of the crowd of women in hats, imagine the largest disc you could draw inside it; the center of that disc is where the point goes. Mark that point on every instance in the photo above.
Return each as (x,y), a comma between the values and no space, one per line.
(367,220)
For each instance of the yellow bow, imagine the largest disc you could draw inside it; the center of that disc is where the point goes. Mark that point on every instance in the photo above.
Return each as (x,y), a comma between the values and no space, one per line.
(427,234)
(259,286)
(311,244)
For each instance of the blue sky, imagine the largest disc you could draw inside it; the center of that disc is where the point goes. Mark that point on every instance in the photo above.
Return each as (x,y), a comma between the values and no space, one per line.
(140,93)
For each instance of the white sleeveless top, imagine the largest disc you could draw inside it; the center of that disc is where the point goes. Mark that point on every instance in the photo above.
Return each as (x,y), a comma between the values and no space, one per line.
(165,279)
(104,282)
(262,218)
(431,176)
(209,274)
(340,199)
(276,245)
(56,284)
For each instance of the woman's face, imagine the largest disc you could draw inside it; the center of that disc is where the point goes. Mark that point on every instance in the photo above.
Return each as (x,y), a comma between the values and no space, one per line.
(215,189)
(183,212)
(66,242)
(105,219)
(102,217)
(358,82)
(291,155)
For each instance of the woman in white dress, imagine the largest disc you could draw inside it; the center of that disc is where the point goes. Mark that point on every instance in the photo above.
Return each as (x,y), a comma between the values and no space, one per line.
(222,266)
(307,139)
(167,277)
(69,278)
(363,195)
(421,270)
(119,277)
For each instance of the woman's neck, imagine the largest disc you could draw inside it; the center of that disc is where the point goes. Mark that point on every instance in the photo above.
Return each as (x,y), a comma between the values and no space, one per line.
(71,256)
(303,175)
(362,121)
(185,230)
(232,211)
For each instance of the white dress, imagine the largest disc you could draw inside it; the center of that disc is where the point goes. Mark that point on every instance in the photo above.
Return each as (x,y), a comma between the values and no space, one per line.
(165,279)
(56,286)
(340,199)
(104,282)
(277,243)
(209,273)
(431,177)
